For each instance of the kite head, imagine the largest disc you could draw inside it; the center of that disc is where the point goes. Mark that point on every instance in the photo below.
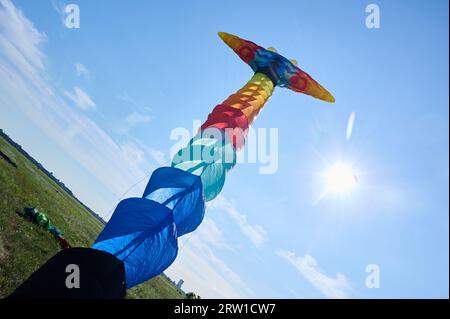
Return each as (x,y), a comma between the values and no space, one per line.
(280,70)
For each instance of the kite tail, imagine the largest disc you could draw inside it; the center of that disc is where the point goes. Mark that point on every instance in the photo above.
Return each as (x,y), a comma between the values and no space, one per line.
(143,232)
(212,152)
(251,98)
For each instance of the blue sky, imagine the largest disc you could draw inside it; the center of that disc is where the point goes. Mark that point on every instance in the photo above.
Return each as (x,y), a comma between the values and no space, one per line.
(96,105)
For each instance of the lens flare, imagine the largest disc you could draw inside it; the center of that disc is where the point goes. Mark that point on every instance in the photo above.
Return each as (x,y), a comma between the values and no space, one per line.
(340,179)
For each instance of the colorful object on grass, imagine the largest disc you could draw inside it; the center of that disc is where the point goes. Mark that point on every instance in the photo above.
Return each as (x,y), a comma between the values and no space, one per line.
(37,217)
(143,231)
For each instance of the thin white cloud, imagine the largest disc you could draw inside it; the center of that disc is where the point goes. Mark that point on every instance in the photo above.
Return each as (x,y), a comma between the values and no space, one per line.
(125,97)
(132,120)
(205,273)
(211,234)
(135,118)
(307,266)
(350,124)
(132,153)
(80,98)
(81,70)
(20,44)
(216,261)
(156,155)
(59,7)
(256,233)
(21,33)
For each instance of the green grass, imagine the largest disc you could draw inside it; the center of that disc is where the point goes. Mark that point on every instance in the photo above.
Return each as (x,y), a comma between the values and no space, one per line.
(24,246)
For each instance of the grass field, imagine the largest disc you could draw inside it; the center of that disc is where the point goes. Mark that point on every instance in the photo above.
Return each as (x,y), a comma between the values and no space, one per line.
(24,246)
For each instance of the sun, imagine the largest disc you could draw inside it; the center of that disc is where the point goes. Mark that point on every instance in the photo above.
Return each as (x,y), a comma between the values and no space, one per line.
(340,179)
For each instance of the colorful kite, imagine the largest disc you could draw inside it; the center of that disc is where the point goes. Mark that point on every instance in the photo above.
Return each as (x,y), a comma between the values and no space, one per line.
(143,232)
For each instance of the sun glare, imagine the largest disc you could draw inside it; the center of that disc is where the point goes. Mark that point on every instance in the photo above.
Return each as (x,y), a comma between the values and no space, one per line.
(340,179)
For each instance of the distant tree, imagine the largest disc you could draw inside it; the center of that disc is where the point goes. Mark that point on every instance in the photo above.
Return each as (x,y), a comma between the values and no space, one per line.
(191,295)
